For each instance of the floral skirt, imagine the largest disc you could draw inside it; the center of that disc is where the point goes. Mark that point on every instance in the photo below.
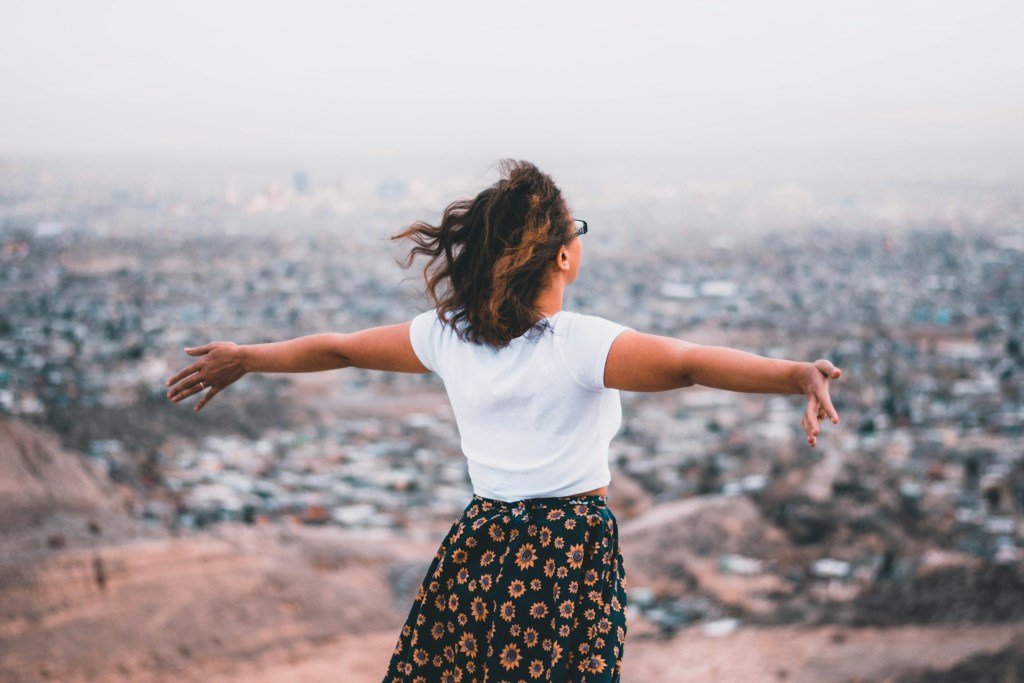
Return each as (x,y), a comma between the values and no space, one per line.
(530,590)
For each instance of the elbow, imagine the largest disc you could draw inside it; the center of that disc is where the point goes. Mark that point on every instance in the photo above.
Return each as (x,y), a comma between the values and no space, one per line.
(685,364)
(342,361)
(339,350)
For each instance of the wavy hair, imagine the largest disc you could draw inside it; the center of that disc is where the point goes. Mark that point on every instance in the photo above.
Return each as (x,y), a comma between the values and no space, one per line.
(493,254)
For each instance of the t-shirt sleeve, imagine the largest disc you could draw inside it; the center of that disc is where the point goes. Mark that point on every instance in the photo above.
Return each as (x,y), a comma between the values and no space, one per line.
(587,349)
(425,335)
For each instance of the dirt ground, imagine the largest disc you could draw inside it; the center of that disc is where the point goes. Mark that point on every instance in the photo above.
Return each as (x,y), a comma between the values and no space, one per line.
(795,655)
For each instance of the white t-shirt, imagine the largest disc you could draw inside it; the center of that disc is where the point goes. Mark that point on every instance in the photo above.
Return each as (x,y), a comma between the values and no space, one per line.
(535,418)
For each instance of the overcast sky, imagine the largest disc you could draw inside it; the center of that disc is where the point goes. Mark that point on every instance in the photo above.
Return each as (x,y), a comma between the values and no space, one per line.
(487,79)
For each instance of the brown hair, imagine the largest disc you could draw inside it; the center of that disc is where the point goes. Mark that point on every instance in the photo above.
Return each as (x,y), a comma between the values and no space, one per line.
(494,253)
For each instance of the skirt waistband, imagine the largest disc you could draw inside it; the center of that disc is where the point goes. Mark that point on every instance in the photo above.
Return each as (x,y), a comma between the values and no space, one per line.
(544,502)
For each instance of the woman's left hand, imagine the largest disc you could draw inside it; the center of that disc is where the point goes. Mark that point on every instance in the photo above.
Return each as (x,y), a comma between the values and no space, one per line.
(220,365)
(814,383)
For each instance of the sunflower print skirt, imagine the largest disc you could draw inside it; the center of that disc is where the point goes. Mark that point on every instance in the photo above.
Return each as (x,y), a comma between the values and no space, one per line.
(529,590)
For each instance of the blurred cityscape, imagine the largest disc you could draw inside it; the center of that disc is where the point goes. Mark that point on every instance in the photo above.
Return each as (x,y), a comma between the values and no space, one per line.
(909,512)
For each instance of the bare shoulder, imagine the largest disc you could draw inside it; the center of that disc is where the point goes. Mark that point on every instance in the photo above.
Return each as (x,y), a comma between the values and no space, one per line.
(638,361)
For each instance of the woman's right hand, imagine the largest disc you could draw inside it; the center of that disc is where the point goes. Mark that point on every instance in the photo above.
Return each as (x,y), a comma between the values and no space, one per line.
(220,365)
(814,382)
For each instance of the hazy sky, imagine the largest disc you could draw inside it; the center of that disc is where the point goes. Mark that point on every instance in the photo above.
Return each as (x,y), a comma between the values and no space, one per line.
(388,79)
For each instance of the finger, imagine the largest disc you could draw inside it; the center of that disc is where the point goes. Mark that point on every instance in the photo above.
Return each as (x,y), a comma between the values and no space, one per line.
(182,395)
(206,397)
(198,350)
(193,387)
(809,427)
(190,382)
(827,368)
(808,430)
(183,373)
(811,413)
(826,401)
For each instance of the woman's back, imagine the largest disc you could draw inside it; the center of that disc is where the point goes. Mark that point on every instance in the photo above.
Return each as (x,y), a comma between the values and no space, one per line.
(535,417)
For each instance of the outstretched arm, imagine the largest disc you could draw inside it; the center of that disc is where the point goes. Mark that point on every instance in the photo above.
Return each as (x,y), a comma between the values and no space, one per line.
(220,364)
(649,362)
(721,367)
(376,348)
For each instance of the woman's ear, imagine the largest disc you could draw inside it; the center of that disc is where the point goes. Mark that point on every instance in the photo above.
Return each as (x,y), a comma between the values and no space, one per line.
(564,260)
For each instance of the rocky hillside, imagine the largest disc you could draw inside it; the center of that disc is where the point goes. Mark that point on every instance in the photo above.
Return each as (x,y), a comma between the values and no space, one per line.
(51,498)
(89,593)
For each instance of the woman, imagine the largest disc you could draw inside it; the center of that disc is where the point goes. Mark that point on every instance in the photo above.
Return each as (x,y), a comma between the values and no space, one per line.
(529,583)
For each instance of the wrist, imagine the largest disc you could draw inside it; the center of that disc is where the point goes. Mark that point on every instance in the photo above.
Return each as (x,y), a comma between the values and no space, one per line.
(244,357)
(800,376)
